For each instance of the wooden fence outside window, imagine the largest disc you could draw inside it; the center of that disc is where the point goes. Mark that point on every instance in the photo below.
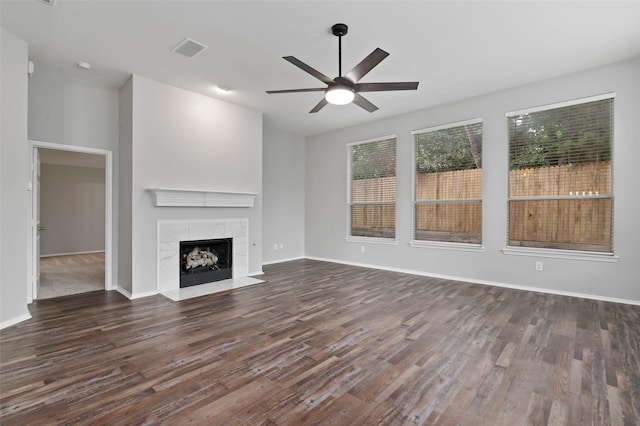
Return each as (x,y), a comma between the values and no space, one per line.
(577,217)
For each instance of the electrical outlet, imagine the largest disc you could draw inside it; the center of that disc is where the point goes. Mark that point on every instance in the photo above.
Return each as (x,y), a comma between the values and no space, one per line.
(281,245)
(275,246)
(361,249)
(539,266)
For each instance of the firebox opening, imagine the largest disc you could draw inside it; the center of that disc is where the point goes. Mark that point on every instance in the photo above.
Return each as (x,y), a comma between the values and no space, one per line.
(205,261)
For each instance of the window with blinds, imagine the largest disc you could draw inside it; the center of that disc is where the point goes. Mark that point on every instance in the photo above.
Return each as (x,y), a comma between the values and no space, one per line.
(560,192)
(372,188)
(448,183)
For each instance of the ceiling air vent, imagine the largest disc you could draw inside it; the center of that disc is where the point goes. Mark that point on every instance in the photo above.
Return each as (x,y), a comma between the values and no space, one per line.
(189,48)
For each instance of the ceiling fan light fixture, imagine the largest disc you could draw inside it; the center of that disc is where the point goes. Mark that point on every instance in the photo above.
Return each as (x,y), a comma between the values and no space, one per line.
(343,90)
(339,95)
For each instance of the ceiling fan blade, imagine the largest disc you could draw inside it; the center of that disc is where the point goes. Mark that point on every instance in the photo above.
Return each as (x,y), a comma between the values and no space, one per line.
(363,103)
(319,89)
(381,87)
(320,105)
(314,72)
(366,65)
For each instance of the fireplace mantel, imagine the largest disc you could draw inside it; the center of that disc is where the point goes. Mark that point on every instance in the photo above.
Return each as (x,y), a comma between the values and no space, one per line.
(164,197)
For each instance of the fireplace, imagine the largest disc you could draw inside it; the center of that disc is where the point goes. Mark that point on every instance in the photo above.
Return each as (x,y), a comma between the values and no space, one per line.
(205,261)
(171,232)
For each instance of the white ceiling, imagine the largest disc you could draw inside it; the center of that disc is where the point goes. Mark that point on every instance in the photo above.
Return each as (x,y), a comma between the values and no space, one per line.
(454,49)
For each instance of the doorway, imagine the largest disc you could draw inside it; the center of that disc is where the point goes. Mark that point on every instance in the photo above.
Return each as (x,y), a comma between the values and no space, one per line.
(71,220)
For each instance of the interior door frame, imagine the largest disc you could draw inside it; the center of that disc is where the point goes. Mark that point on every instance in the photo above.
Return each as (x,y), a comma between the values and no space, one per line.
(108,214)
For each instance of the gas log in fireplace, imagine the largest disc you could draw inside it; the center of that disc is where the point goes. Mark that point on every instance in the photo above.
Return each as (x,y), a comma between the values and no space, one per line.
(205,261)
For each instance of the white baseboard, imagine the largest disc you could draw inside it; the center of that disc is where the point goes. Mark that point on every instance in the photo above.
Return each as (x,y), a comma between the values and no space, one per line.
(253,274)
(141,295)
(14,321)
(72,253)
(123,292)
(484,282)
(272,262)
(130,296)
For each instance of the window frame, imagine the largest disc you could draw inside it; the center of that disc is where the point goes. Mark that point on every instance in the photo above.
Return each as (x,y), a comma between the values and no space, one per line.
(446,245)
(560,253)
(357,238)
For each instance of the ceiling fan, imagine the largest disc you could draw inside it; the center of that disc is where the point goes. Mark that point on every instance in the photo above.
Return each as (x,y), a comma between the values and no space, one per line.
(346,89)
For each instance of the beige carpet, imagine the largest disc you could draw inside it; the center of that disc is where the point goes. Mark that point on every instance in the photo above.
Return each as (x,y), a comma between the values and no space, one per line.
(72,274)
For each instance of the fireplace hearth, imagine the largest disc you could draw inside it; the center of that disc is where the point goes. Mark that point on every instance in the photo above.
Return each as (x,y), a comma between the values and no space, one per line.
(205,261)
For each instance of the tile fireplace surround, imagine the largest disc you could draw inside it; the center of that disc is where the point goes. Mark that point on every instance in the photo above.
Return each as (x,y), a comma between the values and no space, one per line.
(171,232)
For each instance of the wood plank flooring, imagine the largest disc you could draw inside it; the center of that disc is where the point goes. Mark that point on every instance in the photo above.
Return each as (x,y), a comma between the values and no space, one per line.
(326,344)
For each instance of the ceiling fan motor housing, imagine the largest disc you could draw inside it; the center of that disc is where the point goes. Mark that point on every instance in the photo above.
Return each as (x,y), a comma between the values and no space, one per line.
(342,81)
(339,30)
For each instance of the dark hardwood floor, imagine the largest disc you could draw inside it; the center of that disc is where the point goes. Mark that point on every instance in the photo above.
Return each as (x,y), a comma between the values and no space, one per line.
(322,343)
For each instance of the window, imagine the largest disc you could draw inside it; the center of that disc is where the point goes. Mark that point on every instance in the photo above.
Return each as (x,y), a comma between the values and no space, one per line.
(372,188)
(560,193)
(448,183)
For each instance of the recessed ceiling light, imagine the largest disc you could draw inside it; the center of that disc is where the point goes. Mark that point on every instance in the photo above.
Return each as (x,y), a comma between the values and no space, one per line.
(49,2)
(84,65)
(223,89)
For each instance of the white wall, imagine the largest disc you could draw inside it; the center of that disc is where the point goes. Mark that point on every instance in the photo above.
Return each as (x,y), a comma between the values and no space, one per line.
(72,111)
(14,175)
(125,169)
(184,140)
(72,207)
(155,123)
(326,210)
(283,185)
(46,104)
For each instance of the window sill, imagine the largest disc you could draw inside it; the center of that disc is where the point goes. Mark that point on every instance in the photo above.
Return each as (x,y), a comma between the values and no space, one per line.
(561,254)
(476,248)
(373,240)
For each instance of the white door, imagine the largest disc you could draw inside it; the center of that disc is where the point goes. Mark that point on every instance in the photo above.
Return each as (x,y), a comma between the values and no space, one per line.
(36,222)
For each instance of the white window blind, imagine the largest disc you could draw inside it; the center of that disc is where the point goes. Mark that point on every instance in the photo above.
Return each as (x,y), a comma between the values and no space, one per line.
(560,191)
(372,194)
(448,183)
